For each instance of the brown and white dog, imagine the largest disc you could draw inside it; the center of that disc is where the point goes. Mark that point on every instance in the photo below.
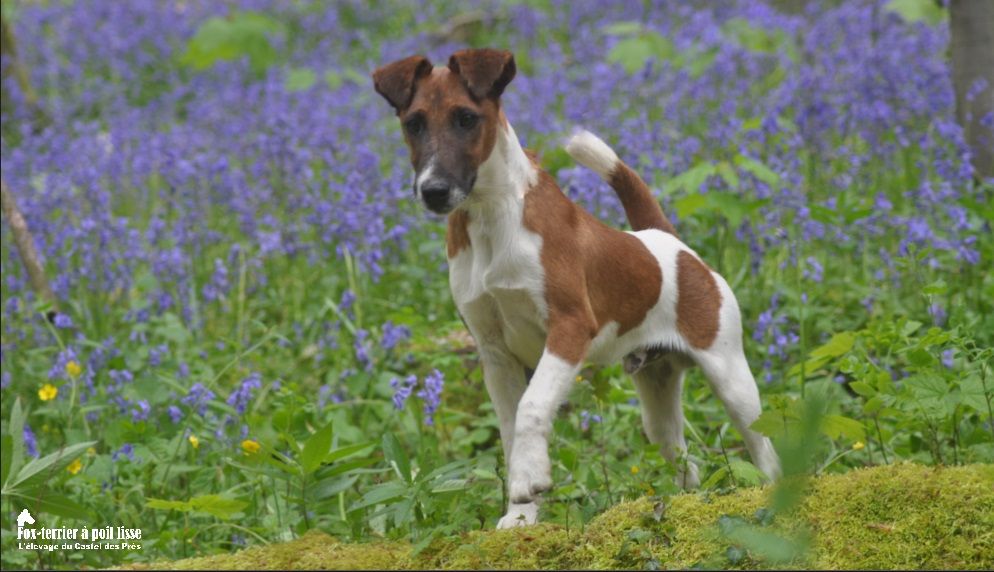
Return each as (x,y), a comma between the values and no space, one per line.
(543,285)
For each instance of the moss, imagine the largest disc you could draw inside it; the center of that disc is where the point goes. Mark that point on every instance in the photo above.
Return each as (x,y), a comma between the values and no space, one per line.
(897,516)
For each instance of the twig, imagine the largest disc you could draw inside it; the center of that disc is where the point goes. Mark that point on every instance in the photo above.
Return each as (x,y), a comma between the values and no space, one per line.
(26,247)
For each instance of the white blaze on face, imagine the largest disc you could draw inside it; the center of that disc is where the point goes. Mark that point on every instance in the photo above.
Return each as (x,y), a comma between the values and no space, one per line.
(424,176)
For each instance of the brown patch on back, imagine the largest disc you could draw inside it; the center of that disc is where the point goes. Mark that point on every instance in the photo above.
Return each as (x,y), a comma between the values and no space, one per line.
(698,302)
(641,208)
(457,234)
(594,274)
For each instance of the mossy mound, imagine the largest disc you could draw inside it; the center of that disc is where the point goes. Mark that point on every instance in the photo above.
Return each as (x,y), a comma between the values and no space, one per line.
(899,516)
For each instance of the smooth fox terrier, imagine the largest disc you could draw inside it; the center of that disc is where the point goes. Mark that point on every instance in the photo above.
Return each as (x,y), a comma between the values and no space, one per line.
(541,284)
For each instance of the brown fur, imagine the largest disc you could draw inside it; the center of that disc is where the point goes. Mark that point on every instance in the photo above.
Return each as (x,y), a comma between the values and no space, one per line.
(698,303)
(457,235)
(594,274)
(641,208)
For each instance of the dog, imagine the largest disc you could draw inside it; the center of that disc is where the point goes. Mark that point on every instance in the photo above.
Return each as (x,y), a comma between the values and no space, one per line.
(544,286)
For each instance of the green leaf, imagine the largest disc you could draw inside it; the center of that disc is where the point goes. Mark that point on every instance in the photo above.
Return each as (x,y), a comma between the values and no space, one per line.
(746,473)
(936,288)
(300,79)
(911,11)
(757,169)
(37,471)
(316,449)
(380,494)
(687,206)
(395,454)
(60,506)
(835,426)
(15,428)
(347,451)
(634,52)
(729,175)
(217,505)
(629,28)
(840,343)
(6,455)
(214,505)
(244,34)
(451,485)
(715,478)
(863,388)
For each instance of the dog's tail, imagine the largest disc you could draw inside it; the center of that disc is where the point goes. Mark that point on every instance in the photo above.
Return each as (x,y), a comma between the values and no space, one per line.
(641,207)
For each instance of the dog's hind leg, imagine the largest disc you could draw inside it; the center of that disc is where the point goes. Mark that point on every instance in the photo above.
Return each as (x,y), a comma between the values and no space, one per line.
(659,386)
(731,380)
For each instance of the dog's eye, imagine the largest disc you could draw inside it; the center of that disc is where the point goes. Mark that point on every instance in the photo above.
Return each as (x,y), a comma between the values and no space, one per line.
(467,120)
(415,126)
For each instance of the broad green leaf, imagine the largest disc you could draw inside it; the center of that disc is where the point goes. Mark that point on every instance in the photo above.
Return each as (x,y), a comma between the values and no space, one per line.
(37,471)
(217,505)
(634,52)
(347,451)
(757,169)
(244,34)
(687,206)
(380,494)
(316,449)
(395,454)
(6,455)
(451,485)
(331,487)
(729,175)
(300,79)
(164,504)
(911,11)
(747,474)
(840,343)
(15,428)
(835,426)
(59,505)
(715,478)
(623,28)
(863,388)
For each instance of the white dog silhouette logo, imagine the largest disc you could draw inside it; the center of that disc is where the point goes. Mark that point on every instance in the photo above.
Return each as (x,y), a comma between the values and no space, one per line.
(24,517)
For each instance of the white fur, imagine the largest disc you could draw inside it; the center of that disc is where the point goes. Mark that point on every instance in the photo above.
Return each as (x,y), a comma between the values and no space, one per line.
(498,284)
(588,150)
(424,176)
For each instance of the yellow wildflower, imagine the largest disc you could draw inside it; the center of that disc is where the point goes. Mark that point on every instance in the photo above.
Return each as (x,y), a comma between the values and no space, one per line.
(250,447)
(73,369)
(91,451)
(635,469)
(195,443)
(858,445)
(48,392)
(579,379)
(75,467)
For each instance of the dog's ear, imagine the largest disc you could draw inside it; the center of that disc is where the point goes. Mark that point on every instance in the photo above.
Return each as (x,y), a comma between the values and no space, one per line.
(486,72)
(396,81)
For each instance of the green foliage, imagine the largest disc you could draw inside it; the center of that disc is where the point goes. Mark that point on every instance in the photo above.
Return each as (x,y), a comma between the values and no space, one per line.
(927,11)
(241,35)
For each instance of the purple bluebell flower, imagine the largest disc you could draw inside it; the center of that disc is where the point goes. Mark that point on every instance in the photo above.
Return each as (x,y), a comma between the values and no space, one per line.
(30,442)
(62,321)
(242,395)
(402,390)
(198,398)
(127,451)
(393,335)
(140,411)
(949,358)
(175,414)
(431,395)
(586,418)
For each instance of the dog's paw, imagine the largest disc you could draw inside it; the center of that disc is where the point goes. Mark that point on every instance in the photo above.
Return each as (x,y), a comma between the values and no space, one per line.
(519,515)
(530,475)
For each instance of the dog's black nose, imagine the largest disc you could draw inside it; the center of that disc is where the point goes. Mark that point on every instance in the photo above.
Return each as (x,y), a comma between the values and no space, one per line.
(435,195)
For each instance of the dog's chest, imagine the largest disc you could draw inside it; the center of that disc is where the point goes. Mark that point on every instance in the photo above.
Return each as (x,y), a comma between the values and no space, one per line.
(498,284)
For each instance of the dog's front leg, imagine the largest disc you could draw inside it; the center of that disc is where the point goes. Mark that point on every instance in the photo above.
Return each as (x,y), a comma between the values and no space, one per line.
(530,470)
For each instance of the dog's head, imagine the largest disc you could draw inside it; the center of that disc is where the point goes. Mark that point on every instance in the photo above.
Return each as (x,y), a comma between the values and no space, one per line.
(450,116)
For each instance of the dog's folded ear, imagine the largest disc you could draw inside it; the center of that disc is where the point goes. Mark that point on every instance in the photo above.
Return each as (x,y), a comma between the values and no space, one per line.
(486,72)
(396,81)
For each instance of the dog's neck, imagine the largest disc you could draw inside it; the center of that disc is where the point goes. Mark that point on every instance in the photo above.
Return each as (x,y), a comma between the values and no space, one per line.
(505,176)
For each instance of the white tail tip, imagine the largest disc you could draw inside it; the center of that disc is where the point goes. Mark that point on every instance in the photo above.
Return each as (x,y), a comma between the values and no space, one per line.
(588,150)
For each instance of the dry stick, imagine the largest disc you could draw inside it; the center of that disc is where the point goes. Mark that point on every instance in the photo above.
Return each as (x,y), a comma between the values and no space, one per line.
(8,47)
(26,246)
